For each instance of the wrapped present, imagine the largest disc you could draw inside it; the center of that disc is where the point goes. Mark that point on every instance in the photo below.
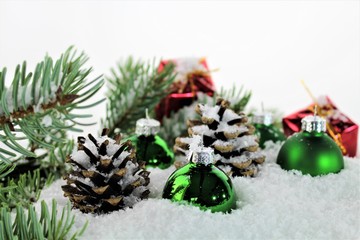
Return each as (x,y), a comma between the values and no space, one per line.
(339,127)
(193,76)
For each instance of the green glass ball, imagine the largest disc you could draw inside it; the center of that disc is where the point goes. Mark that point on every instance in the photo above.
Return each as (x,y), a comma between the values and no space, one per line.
(205,186)
(153,150)
(312,153)
(268,133)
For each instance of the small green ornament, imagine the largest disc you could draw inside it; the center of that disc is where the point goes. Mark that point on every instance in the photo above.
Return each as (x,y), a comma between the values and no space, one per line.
(265,129)
(201,184)
(151,148)
(311,151)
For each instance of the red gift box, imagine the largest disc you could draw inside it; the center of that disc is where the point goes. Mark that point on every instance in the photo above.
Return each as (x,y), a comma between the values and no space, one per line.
(193,76)
(339,127)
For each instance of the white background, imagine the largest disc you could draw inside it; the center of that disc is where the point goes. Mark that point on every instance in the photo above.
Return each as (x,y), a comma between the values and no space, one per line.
(267,46)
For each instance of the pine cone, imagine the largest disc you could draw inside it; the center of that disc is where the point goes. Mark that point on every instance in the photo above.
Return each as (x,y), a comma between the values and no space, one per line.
(229,134)
(105,175)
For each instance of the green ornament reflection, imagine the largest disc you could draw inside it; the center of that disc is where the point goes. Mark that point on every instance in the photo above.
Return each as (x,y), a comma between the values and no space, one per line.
(153,150)
(205,186)
(313,153)
(268,133)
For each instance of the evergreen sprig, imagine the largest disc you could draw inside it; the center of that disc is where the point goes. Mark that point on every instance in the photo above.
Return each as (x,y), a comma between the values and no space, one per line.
(23,190)
(38,106)
(46,225)
(133,87)
(5,169)
(238,97)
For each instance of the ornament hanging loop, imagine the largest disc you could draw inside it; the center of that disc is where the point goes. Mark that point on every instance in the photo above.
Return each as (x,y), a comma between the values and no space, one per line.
(147,126)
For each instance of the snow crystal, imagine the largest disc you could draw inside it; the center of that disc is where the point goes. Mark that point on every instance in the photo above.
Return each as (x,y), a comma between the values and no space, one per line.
(129,177)
(195,142)
(243,158)
(47,121)
(245,141)
(37,107)
(86,181)
(322,100)
(335,114)
(238,143)
(92,147)
(28,98)
(111,149)
(200,130)
(224,127)
(130,200)
(210,111)
(277,204)
(121,158)
(230,115)
(82,158)
(186,65)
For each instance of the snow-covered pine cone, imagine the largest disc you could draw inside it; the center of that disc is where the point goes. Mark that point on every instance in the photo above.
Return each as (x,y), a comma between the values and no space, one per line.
(229,134)
(105,175)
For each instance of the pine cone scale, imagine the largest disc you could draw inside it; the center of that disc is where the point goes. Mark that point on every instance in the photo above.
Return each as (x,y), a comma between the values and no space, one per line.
(105,176)
(229,134)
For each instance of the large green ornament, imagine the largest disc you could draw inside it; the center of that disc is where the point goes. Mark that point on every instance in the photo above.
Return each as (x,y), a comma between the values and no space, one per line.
(311,151)
(151,148)
(265,129)
(201,184)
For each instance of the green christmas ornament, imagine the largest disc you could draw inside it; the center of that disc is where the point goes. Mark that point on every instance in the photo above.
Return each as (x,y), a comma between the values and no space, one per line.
(265,129)
(151,148)
(201,184)
(311,151)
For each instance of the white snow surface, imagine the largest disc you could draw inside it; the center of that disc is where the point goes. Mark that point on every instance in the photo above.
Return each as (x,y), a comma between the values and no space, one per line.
(277,204)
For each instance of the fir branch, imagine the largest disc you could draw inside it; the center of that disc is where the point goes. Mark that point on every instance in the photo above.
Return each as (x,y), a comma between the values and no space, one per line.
(24,190)
(22,181)
(46,225)
(5,169)
(236,96)
(38,105)
(133,87)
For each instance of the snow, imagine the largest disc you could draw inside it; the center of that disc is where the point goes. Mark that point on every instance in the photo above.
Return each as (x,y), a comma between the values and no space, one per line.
(243,158)
(82,158)
(335,113)
(230,115)
(195,143)
(275,205)
(47,121)
(210,112)
(224,127)
(184,66)
(238,143)
(200,129)
(129,177)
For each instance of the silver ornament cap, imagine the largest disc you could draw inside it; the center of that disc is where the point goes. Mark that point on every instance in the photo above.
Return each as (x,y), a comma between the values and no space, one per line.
(313,124)
(203,156)
(262,118)
(147,126)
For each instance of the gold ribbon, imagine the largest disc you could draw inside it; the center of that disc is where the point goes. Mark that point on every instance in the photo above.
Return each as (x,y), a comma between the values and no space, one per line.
(326,111)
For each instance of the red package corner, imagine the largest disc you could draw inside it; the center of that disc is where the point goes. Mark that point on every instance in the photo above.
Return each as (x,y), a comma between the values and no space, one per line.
(193,76)
(342,124)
